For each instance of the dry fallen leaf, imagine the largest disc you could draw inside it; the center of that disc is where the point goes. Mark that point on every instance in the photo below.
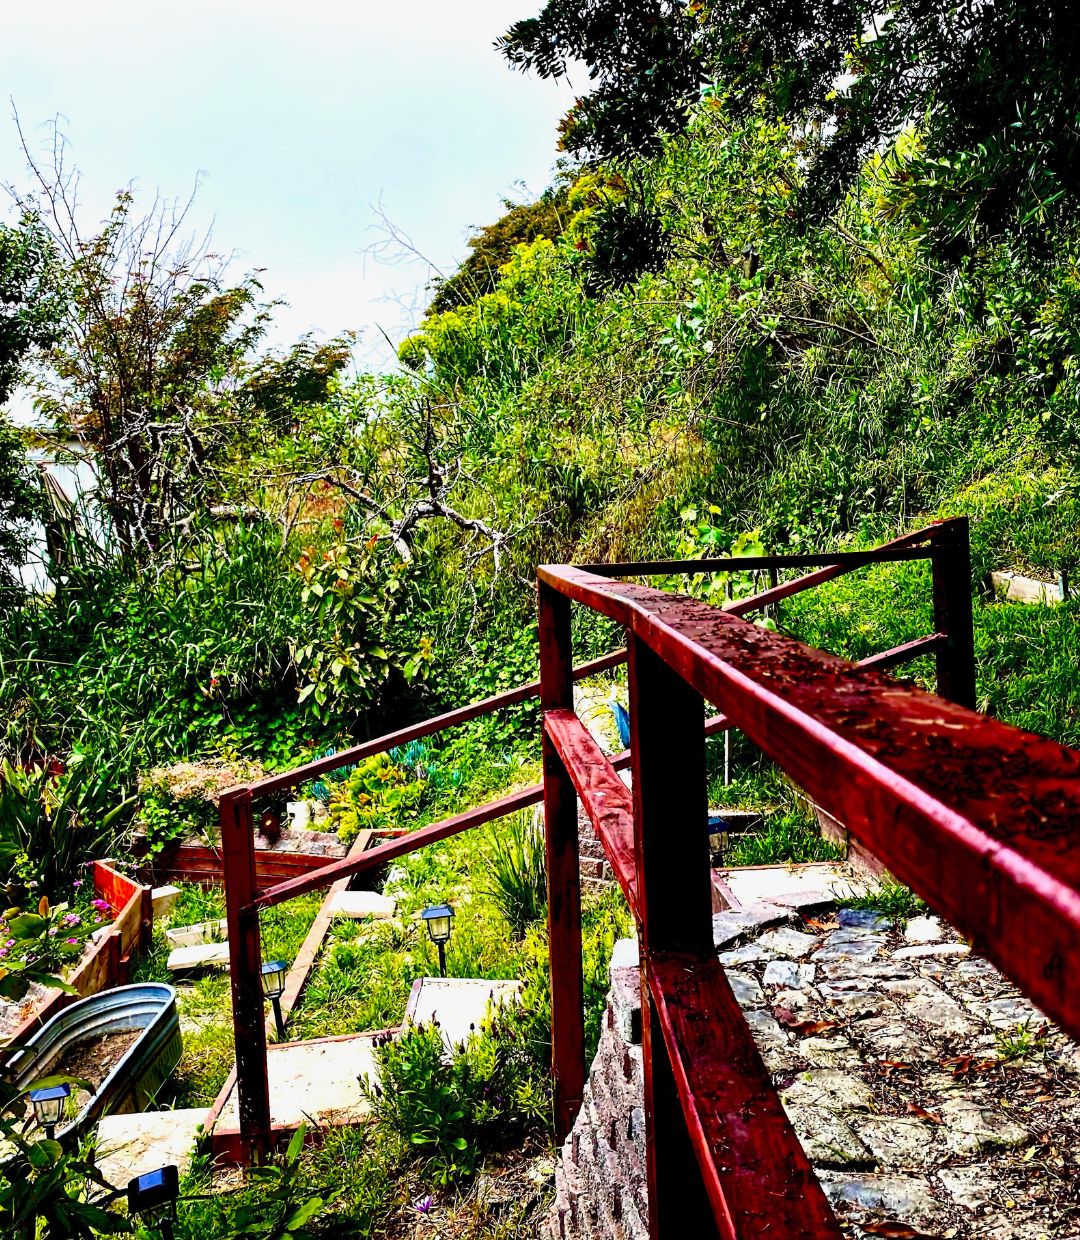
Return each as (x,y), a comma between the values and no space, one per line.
(803,1028)
(923,1113)
(820,924)
(889,1066)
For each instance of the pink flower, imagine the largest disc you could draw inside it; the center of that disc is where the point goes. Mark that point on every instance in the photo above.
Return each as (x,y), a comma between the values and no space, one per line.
(102,906)
(71,941)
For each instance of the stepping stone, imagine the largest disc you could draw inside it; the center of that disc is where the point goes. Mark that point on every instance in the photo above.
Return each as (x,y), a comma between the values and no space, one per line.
(200,956)
(900,1143)
(827,1139)
(863,919)
(850,944)
(360,904)
(131,1145)
(898,1196)
(201,932)
(787,942)
(927,950)
(788,973)
(458,1004)
(801,887)
(745,989)
(826,1087)
(315,1082)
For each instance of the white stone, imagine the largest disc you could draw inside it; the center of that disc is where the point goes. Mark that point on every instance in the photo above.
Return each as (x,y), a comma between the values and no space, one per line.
(200,956)
(201,932)
(457,1004)
(827,1139)
(624,955)
(923,930)
(746,990)
(788,973)
(926,950)
(749,953)
(787,942)
(164,899)
(360,904)
(906,1197)
(899,1143)
(827,1087)
(133,1144)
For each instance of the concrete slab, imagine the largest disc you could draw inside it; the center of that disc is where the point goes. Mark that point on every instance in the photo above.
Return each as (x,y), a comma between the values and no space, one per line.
(360,904)
(794,886)
(131,1145)
(164,899)
(201,932)
(314,1082)
(200,956)
(459,1004)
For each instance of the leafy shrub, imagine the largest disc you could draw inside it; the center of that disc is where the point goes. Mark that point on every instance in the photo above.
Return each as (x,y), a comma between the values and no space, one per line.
(182,799)
(517,870)
(451,1107)
(52,821)
(377,793)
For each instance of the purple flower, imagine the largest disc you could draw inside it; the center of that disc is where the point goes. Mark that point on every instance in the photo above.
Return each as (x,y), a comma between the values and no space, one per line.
(3,952)
(71,941)
(72,919)
(77,883)
(10,943)
(52,932)
(423,1204)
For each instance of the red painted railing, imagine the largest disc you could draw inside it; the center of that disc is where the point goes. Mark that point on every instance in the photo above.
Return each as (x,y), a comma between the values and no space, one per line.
(978,817)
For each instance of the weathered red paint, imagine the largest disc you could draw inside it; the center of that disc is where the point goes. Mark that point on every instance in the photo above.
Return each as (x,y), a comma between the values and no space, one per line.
(382,854)
(604,796)
(758,1179)
(416,731)
(563,870)
(981,819)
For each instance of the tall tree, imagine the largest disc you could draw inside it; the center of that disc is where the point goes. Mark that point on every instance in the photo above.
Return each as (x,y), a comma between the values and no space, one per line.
(29,311)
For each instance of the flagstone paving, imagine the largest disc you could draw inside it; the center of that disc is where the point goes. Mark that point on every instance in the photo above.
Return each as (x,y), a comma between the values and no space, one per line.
(927,1091)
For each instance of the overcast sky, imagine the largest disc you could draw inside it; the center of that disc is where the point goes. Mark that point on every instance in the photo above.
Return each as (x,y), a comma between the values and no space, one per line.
(300,118)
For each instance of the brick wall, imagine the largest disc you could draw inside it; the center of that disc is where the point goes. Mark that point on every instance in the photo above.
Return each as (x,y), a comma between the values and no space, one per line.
(600,1176)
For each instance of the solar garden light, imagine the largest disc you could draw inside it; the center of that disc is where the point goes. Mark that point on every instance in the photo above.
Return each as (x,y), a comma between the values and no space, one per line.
(273,984)
(437,919)
(153,1197)
(49,1106)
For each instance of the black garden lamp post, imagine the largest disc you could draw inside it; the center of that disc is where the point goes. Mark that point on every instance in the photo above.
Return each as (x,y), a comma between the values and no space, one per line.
(153,1197)
(273,984)
(437,918)
(49,1106)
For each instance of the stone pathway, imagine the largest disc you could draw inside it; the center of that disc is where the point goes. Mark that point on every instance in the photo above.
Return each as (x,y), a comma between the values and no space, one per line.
(927,1091)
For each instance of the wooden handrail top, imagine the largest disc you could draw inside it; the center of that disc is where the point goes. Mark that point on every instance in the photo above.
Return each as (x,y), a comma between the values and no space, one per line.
(980,818)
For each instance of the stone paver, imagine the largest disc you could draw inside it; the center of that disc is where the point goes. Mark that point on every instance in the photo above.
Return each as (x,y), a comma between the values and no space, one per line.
(457,1005)
(200,956)
(361,904)
(897,1056)
(133,1144)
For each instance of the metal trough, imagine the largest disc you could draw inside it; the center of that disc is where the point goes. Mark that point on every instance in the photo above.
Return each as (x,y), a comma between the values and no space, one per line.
(137,1076)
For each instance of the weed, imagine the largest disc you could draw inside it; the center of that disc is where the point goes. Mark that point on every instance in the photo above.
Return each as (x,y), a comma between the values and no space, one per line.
(1020,1041)
(518,870)
(791,837)
(890,898)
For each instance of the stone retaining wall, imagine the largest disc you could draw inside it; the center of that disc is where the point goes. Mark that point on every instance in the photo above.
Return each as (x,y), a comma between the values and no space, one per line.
(600,1177)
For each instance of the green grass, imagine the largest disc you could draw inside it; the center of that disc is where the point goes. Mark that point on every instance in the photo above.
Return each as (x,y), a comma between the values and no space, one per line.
(791,837)
(890,898)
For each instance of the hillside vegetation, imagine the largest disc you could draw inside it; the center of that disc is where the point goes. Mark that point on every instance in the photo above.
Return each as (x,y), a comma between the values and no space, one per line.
(757,308)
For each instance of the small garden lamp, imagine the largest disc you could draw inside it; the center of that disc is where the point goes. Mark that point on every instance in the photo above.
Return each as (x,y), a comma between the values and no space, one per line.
(153,1196)
(49,1106)
(437,918)
(273,984)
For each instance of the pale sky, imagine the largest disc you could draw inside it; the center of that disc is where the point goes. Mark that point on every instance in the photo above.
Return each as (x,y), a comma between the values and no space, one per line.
(299,119)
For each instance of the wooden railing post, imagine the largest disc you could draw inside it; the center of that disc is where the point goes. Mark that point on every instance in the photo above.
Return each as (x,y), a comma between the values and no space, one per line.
(667,744)
(563,873)
(245,973)
(951,561)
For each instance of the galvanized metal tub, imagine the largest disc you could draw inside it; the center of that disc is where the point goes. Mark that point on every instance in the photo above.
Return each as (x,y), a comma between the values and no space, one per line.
(137,1076)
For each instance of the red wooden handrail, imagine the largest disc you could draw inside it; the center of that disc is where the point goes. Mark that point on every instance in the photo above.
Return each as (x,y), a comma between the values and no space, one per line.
(980,818)
(245,900)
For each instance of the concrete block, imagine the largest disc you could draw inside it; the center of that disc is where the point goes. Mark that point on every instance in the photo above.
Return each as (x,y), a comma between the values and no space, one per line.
(164,899)
(133,1144)
(360,904)
(458,1004)
(201,932)
(199,956)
